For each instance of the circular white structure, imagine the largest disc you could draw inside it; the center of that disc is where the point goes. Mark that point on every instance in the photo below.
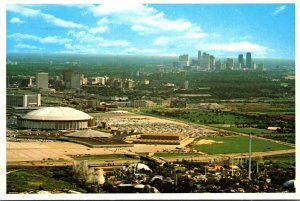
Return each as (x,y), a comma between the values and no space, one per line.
(56,118)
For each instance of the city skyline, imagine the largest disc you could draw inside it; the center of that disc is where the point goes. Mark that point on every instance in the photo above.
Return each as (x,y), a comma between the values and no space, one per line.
(159,30)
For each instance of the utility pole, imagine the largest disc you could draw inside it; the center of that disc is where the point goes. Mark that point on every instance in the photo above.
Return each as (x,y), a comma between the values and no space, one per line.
(250,144)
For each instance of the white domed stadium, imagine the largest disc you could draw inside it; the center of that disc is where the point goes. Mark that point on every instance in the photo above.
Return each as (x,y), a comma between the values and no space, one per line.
(56,118)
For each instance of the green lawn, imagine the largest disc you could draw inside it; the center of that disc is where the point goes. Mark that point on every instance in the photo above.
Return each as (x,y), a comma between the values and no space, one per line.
(238,144)
(33,179)
(166,155)
(103,157)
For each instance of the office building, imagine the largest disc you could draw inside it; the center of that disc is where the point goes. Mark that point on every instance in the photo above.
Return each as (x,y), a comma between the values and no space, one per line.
(205,61)
(75,81)
(229,63)
(212,62)
(25,82)
(184,60)
(42,80)
(199,56)
(241,61)
(33,100)
(248,60)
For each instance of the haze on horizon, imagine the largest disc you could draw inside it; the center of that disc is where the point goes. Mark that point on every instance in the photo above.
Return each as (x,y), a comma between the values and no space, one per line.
(224,30)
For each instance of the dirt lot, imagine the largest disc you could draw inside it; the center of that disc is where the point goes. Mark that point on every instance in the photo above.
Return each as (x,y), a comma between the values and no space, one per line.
(37,151)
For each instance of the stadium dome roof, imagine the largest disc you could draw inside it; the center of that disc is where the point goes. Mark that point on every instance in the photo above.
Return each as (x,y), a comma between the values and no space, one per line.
(89,133)
(57,114)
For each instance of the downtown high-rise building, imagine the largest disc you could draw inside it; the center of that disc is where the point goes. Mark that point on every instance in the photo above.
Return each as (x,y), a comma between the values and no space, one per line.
(42,80)
(205,61)
(184,60)
(241,61)
(199,56)
(229,63)
(72,79)
(212,62)
(248,60)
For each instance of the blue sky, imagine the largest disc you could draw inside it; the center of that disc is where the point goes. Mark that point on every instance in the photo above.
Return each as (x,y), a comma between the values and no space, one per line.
(224,30)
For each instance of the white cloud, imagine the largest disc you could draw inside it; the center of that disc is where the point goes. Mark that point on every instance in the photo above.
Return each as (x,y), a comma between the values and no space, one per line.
(162,40)
(142,19)
(279,9)
(43,40)
(238,47)
(16,20)
(29,12)
(102,21)
(100,29)
(87,38)
(59,22)
(26,46)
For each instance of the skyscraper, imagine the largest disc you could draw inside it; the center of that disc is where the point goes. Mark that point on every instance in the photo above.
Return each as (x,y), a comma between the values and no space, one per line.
(248,60)
(229,63)
(205,61)
(211,62)
(241,61)
(199,56)
(42,81)
(75,81)
(184,60)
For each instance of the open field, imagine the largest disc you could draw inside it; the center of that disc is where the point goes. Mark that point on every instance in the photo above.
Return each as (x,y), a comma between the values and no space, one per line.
(39,151)
(237,144)
(285,137)
(22,179)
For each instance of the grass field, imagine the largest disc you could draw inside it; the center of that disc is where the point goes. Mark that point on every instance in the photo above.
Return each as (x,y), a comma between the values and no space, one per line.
(34,179)
(166,155)
(238,144)
(103,157)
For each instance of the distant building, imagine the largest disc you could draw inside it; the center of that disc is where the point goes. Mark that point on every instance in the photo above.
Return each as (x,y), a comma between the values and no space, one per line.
(67,77)
(129,84)
(25,82)
(142,103)
(184,60)
(218,65)
(42,80)
(205,61)
(199,56)
(211,62)
(241,61)
(229,63)
(33,100)
(248,60)
(75,81)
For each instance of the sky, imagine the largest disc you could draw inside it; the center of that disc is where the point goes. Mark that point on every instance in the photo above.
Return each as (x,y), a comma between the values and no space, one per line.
(223,30)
